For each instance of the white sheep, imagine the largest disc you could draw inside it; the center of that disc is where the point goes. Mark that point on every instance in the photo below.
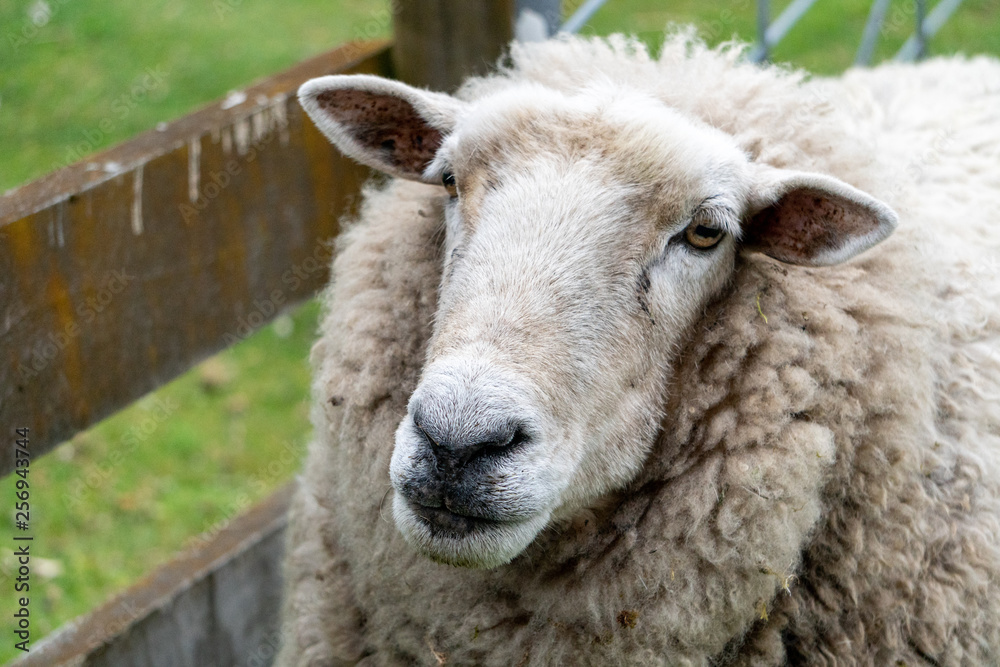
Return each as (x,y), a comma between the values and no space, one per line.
(618,343)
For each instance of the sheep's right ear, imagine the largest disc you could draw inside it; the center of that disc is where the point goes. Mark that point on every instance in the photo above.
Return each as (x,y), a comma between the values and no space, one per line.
(384,124)
(813,219)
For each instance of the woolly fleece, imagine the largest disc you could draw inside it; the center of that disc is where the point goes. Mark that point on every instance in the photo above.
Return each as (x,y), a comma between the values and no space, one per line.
(829,492)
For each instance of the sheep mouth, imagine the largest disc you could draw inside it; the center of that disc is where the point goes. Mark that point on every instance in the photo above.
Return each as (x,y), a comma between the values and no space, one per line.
(445,536)
(442,521)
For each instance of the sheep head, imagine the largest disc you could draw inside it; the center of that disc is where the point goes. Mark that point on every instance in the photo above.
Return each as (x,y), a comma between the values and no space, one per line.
(584,236)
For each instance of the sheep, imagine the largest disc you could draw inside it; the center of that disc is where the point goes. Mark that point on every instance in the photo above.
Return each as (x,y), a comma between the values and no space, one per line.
(658,361)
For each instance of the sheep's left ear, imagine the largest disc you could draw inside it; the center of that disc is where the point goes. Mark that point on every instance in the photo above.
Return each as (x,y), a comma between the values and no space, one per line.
(813,219)
(382,123)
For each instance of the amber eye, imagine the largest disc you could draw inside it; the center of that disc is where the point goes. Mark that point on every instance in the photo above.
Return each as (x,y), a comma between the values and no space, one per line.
(702,236)
(448,180)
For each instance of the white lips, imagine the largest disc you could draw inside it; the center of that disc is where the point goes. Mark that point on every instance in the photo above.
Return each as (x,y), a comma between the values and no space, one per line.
(488,545)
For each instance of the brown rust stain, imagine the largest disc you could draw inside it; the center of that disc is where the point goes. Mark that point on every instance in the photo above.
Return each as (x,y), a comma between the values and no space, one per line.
(66,326)
(193,280)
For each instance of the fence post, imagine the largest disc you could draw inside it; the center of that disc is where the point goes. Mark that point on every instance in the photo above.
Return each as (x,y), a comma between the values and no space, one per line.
(549,10)
(440,42)
(920,33)
(763,21)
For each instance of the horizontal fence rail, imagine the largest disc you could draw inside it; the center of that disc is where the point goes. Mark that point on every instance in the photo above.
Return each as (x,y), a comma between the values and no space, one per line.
(217,604)
(120,272)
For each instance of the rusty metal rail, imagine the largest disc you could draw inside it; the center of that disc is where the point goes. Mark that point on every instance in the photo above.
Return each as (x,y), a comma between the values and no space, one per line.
(120,272)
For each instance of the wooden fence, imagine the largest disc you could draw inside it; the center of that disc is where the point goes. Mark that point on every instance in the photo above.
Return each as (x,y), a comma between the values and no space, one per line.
(124,270)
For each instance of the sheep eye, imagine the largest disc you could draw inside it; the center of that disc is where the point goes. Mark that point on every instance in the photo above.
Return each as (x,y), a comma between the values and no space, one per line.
(703,237)
(448,180)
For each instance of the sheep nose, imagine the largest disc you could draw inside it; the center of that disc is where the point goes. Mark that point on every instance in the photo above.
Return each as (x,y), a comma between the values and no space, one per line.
(455,446)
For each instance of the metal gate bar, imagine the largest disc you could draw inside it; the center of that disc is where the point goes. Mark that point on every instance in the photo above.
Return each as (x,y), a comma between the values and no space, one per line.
(916,46)
(769,35)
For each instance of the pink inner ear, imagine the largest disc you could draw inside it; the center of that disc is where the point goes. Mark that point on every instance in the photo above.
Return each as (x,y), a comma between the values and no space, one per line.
(385,124)
(805,223)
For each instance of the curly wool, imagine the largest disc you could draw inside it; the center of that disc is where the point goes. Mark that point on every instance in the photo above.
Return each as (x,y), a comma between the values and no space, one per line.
(826,487)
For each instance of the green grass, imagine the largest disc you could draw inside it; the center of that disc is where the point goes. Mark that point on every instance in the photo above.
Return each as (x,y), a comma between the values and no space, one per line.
(824,41)
(60,80)
(111,505)
(163,474)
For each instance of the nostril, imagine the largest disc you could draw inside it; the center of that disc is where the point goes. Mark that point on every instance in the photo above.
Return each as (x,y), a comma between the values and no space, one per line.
(452,451)
(519,438)
(444,458)
(423,432)
(492,448)
(495,447)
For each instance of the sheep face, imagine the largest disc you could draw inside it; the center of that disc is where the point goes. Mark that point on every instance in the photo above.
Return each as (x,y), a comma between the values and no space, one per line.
(567,282)
(584,236)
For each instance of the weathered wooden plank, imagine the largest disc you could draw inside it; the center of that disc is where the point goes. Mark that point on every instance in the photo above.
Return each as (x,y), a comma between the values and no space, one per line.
(217,605)
(120,272)
(439,42)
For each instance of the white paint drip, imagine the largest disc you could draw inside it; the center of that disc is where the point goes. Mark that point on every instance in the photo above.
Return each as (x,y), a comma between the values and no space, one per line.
(254,128)
(55,227)
(259,125)
(279,116)
(241,133)
(234,98)
(60,236)
(137,201)
(194,168)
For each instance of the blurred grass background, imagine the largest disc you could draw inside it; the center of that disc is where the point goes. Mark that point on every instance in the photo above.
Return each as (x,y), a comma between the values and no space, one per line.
(232,430)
